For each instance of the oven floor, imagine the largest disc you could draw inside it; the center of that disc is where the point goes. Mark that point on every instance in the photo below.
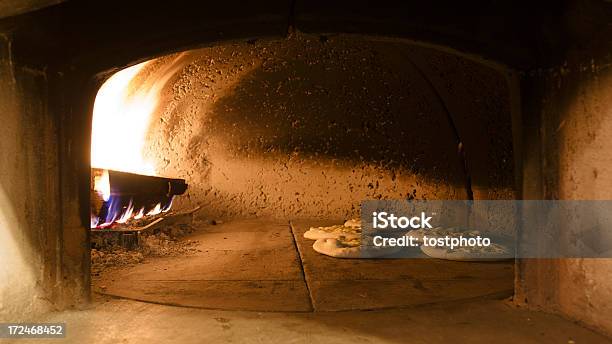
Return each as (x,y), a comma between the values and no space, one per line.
(267,265)
(112,321)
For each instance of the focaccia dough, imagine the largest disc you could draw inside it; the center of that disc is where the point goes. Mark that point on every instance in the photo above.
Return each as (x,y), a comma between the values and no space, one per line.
(343,247)
(354,223)
(347,248)
(332,232)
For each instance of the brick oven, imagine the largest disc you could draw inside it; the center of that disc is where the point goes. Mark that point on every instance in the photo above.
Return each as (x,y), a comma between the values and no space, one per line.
(176,154)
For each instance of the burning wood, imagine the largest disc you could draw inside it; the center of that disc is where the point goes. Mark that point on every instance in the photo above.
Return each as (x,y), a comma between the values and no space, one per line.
(117,197)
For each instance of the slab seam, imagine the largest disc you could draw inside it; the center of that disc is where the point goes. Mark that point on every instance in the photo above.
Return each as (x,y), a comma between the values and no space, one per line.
(301,260)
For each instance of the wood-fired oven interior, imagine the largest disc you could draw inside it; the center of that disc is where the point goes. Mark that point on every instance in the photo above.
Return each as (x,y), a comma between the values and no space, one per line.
(276,136)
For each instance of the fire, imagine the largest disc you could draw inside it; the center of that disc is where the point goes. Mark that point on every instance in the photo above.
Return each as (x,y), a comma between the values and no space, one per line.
(118,207)
(139,215)
(155,210)
(122,113)
(114,212)
(127,214)
(102,185)
(121,119)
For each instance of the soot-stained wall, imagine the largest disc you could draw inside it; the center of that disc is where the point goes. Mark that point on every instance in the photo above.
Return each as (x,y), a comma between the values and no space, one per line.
(575,114)
(311,126)
(35,276)
(567,130)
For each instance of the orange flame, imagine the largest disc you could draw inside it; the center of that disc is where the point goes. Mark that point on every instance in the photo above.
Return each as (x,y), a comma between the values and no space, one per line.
(121,116)
(120,122)
(156,210)
(140,214)
(122,113)
(127,214)
(102,185)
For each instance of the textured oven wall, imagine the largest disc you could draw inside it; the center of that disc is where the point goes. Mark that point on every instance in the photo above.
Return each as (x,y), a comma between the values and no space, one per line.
(479,100)
(311,126)
(567,116)
(29,198)
(576,164)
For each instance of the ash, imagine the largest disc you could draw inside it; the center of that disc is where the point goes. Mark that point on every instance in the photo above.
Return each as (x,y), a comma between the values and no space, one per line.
(166,241)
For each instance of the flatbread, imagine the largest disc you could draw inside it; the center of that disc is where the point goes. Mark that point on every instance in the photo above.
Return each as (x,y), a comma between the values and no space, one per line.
(493,252)
(354,223)
(347,248)
(343,247)
(333,232)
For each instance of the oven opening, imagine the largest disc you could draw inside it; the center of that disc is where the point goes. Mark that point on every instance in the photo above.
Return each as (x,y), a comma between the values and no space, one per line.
(231,177)
(314,171)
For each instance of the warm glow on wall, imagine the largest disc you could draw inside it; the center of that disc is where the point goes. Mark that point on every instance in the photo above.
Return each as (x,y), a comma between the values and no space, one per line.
(16,273)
